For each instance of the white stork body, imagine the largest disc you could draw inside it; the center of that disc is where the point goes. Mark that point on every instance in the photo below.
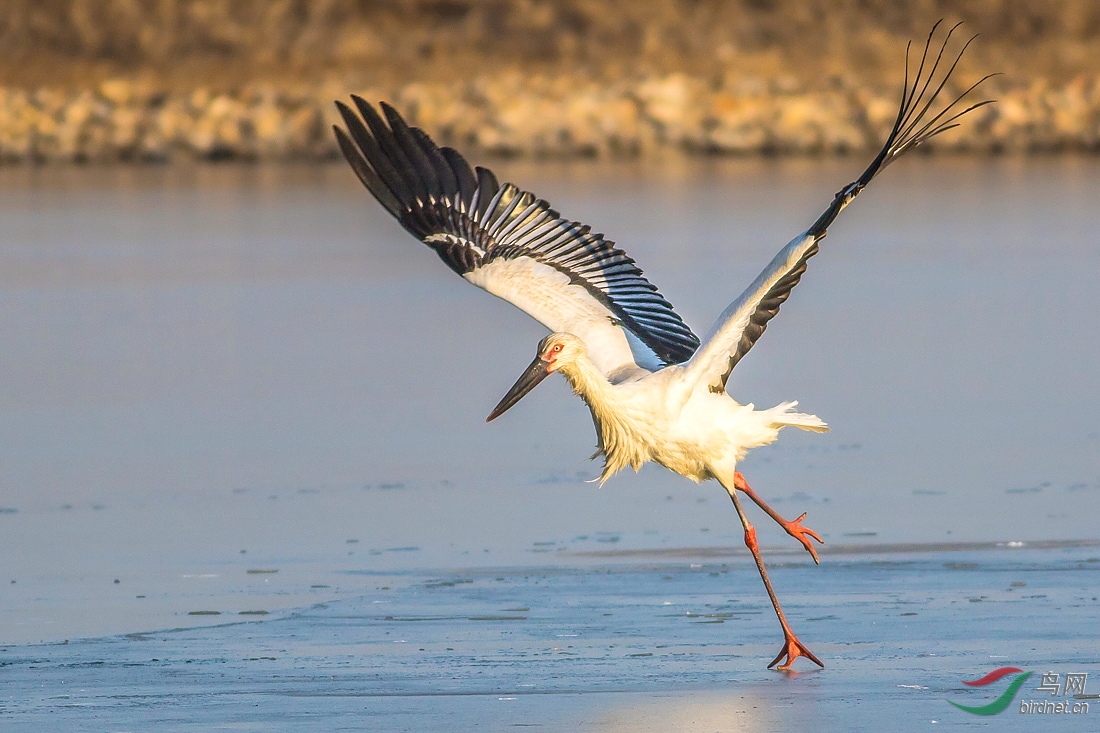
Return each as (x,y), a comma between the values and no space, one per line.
(698,434)
(655,391)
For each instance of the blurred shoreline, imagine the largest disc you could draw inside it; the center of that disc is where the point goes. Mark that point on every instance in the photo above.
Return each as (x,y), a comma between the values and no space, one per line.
(120,121)
(84,81)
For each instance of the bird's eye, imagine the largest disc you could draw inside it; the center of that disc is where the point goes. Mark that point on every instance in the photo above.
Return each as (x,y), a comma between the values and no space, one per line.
(556,349)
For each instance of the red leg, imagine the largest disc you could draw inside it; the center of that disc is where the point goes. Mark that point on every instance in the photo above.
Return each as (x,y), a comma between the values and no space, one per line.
(794,529)
(792,647)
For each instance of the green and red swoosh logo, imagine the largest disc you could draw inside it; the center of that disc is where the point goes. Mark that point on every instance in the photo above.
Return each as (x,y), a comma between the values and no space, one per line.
(1006,697)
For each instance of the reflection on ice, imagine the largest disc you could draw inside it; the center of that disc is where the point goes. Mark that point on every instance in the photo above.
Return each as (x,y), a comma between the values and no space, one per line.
(729,711)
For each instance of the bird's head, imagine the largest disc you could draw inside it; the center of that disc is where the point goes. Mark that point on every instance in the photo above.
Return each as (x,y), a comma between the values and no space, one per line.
(556,351)
(560,350)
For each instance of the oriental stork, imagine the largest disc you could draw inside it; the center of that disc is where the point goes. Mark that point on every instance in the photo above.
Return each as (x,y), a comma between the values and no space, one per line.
(656,392)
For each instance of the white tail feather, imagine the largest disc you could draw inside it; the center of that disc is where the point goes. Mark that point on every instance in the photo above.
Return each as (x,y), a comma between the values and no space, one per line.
(784,416)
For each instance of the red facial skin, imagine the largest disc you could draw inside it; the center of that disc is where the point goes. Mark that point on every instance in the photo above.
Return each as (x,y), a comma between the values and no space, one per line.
(550,357)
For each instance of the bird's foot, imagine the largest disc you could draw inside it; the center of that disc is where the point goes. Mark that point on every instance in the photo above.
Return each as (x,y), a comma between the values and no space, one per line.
(792,650)
(794,529)
(803,535)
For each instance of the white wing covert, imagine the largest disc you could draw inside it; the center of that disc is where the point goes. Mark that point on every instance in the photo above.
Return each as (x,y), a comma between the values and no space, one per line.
(514,245)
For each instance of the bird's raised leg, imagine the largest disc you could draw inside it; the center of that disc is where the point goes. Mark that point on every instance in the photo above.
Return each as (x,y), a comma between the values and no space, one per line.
(793,528)
(792,647)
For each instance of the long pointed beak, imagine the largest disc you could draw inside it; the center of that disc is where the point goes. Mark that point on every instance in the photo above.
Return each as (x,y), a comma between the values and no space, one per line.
(526,382)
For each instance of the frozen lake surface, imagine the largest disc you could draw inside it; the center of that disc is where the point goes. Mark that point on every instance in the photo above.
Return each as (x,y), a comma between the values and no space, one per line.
(242,404)
(659,644)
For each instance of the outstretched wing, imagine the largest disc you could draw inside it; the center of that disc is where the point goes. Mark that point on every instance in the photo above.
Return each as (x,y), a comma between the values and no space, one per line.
(514,245)
(744,321)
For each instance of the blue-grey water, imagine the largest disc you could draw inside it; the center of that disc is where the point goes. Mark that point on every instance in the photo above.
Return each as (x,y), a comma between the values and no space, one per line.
(230,390)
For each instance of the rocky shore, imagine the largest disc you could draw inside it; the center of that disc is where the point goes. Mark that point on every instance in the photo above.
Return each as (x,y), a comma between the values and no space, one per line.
(518,116)
(117,80)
